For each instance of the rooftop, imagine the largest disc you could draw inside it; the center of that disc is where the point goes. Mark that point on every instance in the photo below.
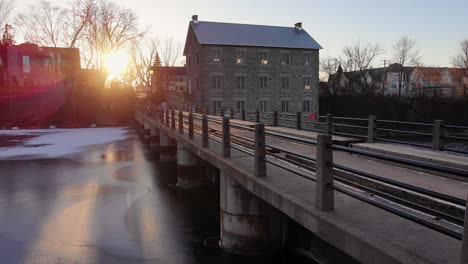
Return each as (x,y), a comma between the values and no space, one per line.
(217,33)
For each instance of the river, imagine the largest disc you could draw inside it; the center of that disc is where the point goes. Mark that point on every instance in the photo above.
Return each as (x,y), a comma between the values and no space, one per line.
(109,203)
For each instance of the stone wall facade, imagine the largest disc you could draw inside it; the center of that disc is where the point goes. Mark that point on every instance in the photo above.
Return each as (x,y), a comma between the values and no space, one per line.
(202,69)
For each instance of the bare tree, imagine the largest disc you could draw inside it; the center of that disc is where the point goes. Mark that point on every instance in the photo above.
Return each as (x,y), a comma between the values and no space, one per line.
(170,52)
(460,60)
(111,28)
(143,54)
(360,57)
(406,54)
(77,17)
(42,23)
(6,7)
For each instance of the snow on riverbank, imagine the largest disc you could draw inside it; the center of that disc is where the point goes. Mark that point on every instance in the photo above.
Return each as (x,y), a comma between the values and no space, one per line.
(52,143)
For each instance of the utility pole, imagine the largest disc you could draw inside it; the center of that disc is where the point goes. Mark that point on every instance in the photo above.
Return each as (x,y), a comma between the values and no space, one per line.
(384,76)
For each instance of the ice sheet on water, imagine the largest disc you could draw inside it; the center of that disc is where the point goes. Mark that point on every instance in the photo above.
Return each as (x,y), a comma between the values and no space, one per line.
(59,142)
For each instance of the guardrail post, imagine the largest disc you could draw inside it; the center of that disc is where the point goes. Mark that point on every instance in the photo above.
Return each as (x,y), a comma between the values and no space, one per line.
(167,117)
(190,125)
(324,198)
(371,129)
(437,134)
(243,114)
(181,122)
(205,138)
(226,138)
(298,120)
(275,118)
(329,124)
(464,248)
(260,152)
(257,116)
(173,119)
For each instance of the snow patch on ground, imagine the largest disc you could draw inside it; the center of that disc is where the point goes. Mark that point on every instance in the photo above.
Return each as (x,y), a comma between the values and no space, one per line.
(51,143)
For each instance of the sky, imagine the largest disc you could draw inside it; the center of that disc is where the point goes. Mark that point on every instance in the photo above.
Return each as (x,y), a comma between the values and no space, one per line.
(437,26)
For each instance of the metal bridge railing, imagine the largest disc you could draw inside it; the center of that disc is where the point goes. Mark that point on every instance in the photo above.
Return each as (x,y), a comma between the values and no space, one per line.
(325,169)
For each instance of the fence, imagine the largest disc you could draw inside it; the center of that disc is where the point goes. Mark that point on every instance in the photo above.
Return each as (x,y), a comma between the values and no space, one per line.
(325,178)
(437,135)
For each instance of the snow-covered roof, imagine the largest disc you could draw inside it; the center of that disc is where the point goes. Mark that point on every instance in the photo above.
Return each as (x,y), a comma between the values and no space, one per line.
(216,33)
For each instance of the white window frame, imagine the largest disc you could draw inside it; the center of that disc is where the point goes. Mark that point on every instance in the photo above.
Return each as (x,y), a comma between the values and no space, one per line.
(307,83)
(286,58)
(241,82)
(308,59)
(285,85)
(264,57)
(217,81)
(216,55)
(306,105)
(285,106)
(263,107)
(240,104)
(240,56)
(263,82)
(26,64)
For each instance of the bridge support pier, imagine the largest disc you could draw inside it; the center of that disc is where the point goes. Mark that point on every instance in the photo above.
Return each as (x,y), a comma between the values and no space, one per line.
(190,173)
(249,226)
(154,138)
(167,148)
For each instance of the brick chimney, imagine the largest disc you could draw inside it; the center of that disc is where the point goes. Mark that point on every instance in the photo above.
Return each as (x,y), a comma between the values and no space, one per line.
(195,19)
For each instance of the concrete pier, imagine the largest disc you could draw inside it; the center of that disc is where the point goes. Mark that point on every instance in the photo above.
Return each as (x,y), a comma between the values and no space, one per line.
(190,173)
(249,226)
(146,133)
(167,148)
(154,138)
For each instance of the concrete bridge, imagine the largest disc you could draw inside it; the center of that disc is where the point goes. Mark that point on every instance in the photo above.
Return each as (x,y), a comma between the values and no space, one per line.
(375,208)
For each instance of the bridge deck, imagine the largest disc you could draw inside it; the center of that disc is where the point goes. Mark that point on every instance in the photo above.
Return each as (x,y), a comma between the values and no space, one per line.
(367,233)
(438,157)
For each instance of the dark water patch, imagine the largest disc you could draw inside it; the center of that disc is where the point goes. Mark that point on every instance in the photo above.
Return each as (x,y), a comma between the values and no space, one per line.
(123,155)
(128,174)
(14,140)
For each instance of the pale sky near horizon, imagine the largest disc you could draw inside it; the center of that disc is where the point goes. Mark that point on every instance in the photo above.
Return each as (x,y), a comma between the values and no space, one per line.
(437,26)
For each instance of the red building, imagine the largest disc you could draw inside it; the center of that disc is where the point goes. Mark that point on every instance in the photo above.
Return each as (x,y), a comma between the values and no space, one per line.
(36,82)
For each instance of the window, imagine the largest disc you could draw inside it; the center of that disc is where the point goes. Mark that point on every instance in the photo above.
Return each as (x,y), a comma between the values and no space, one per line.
(308,59)
(286,58)
(46,64)
(217,81)
(306,106)
(26,65)
(190,62)
(263,82)
(197,57)
(240,106)
(263,106)
(216,105)
(263,57)
(240,56)
(285,82)
(241,82)
(215,55)
(284,106)
(307,82)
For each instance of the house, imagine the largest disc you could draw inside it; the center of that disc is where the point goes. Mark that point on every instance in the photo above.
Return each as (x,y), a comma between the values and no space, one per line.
(29,68)
(252,67)
(396,80)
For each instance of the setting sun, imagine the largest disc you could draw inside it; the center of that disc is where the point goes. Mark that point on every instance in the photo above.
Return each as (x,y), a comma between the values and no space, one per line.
(116,63)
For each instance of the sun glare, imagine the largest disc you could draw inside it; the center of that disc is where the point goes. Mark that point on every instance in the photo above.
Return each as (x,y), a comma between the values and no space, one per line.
(116,63)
